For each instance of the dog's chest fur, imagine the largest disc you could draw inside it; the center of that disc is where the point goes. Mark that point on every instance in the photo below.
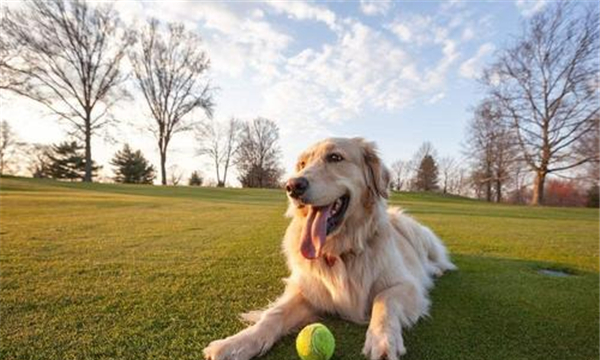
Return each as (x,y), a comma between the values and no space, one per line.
(340,288)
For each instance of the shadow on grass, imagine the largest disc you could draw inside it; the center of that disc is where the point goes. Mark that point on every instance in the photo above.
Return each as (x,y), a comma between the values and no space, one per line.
(492,309)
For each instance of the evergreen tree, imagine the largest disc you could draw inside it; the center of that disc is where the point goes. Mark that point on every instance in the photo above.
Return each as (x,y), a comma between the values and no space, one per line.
(131,167)
(427,176)
(67,161)
(195,179)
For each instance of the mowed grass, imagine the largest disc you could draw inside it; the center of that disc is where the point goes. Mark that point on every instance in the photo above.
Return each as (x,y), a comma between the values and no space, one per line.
(93,271)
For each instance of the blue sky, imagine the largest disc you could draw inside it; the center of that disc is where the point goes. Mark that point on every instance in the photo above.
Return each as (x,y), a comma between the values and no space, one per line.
(398,73)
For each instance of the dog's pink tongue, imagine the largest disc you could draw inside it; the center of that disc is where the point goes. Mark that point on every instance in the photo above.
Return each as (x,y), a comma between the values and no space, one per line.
(314,232)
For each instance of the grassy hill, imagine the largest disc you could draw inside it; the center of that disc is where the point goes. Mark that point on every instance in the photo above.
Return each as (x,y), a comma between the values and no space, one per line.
(98,271)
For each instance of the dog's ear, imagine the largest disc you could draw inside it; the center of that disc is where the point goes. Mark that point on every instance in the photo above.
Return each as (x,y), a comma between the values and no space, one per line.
(376,174)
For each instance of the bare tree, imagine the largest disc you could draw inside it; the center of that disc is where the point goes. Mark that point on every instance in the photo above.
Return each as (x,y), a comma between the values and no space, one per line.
(220,142)
(170,68)
(258,155)
(519,192)
(39,163)
(589,146)
(447,169)
(546,86)
(176,174)
(460,182)
(9,53)
(400,170)
(68,60)
(8,142)
(491,147)
(425,149)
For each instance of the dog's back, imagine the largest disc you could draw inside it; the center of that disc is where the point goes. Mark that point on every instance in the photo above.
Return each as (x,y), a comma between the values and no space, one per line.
(429,248)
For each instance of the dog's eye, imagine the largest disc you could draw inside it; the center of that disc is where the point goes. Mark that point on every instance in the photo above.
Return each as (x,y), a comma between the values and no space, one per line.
(334,157)
(301,165)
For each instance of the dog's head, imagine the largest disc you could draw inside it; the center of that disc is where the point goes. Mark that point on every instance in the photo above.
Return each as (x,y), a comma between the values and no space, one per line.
(336,184)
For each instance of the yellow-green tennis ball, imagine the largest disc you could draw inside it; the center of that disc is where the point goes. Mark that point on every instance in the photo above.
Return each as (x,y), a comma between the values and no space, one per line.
(315,342)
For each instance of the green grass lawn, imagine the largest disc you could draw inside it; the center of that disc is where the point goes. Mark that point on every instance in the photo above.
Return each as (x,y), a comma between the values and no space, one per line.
(92,271)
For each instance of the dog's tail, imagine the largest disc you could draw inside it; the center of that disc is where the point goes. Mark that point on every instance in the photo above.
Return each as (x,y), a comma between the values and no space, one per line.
(437,253)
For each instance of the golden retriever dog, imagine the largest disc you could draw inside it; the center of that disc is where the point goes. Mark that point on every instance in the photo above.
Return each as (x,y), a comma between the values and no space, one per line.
(349,255)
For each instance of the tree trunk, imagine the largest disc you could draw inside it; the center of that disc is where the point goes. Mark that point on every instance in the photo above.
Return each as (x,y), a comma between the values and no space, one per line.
(88,150)
(219,182)
(538,189)
(488,181)
(225,173)
(163,169)
(498,191)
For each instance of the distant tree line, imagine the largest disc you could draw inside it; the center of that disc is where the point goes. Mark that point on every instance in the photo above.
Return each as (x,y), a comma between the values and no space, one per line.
(426,171)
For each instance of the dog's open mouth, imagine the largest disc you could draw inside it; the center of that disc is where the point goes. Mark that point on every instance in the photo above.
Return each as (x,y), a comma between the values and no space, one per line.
(320,222)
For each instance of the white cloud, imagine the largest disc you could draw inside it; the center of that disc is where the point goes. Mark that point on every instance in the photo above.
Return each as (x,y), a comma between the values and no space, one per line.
(258,13)
(450,21)
(361,69)
(416,29)
(433,33)
(471,68)
(402,31)
(436,98)
(445,31)
(468,34)
(300,10)
(375,7)
(436,76)
(528,8)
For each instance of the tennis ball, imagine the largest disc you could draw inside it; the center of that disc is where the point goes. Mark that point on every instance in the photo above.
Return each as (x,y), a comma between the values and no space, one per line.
(315,342)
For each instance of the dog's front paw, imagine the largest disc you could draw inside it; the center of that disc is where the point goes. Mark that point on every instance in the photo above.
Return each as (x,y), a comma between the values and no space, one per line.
(383,344)
(216,350)
(224,349)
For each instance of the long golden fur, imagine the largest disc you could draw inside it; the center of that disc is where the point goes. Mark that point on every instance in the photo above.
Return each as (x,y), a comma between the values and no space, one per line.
(375,267)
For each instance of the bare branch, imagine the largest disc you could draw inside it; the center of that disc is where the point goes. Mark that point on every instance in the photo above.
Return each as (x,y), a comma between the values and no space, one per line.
(170,68)
(546,86)
(65,55)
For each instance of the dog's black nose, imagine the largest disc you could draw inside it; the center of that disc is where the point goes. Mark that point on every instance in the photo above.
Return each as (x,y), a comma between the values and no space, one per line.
(295,187)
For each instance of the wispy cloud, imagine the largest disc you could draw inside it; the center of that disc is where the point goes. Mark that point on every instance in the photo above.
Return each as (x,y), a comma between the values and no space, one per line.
(415,29)
(436,98)
(375,7)
(528,8)
(471,68)
(300,10)
(361,68)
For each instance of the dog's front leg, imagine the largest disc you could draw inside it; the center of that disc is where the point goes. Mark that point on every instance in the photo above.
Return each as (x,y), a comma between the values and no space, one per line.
(393,308)
(290,311)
